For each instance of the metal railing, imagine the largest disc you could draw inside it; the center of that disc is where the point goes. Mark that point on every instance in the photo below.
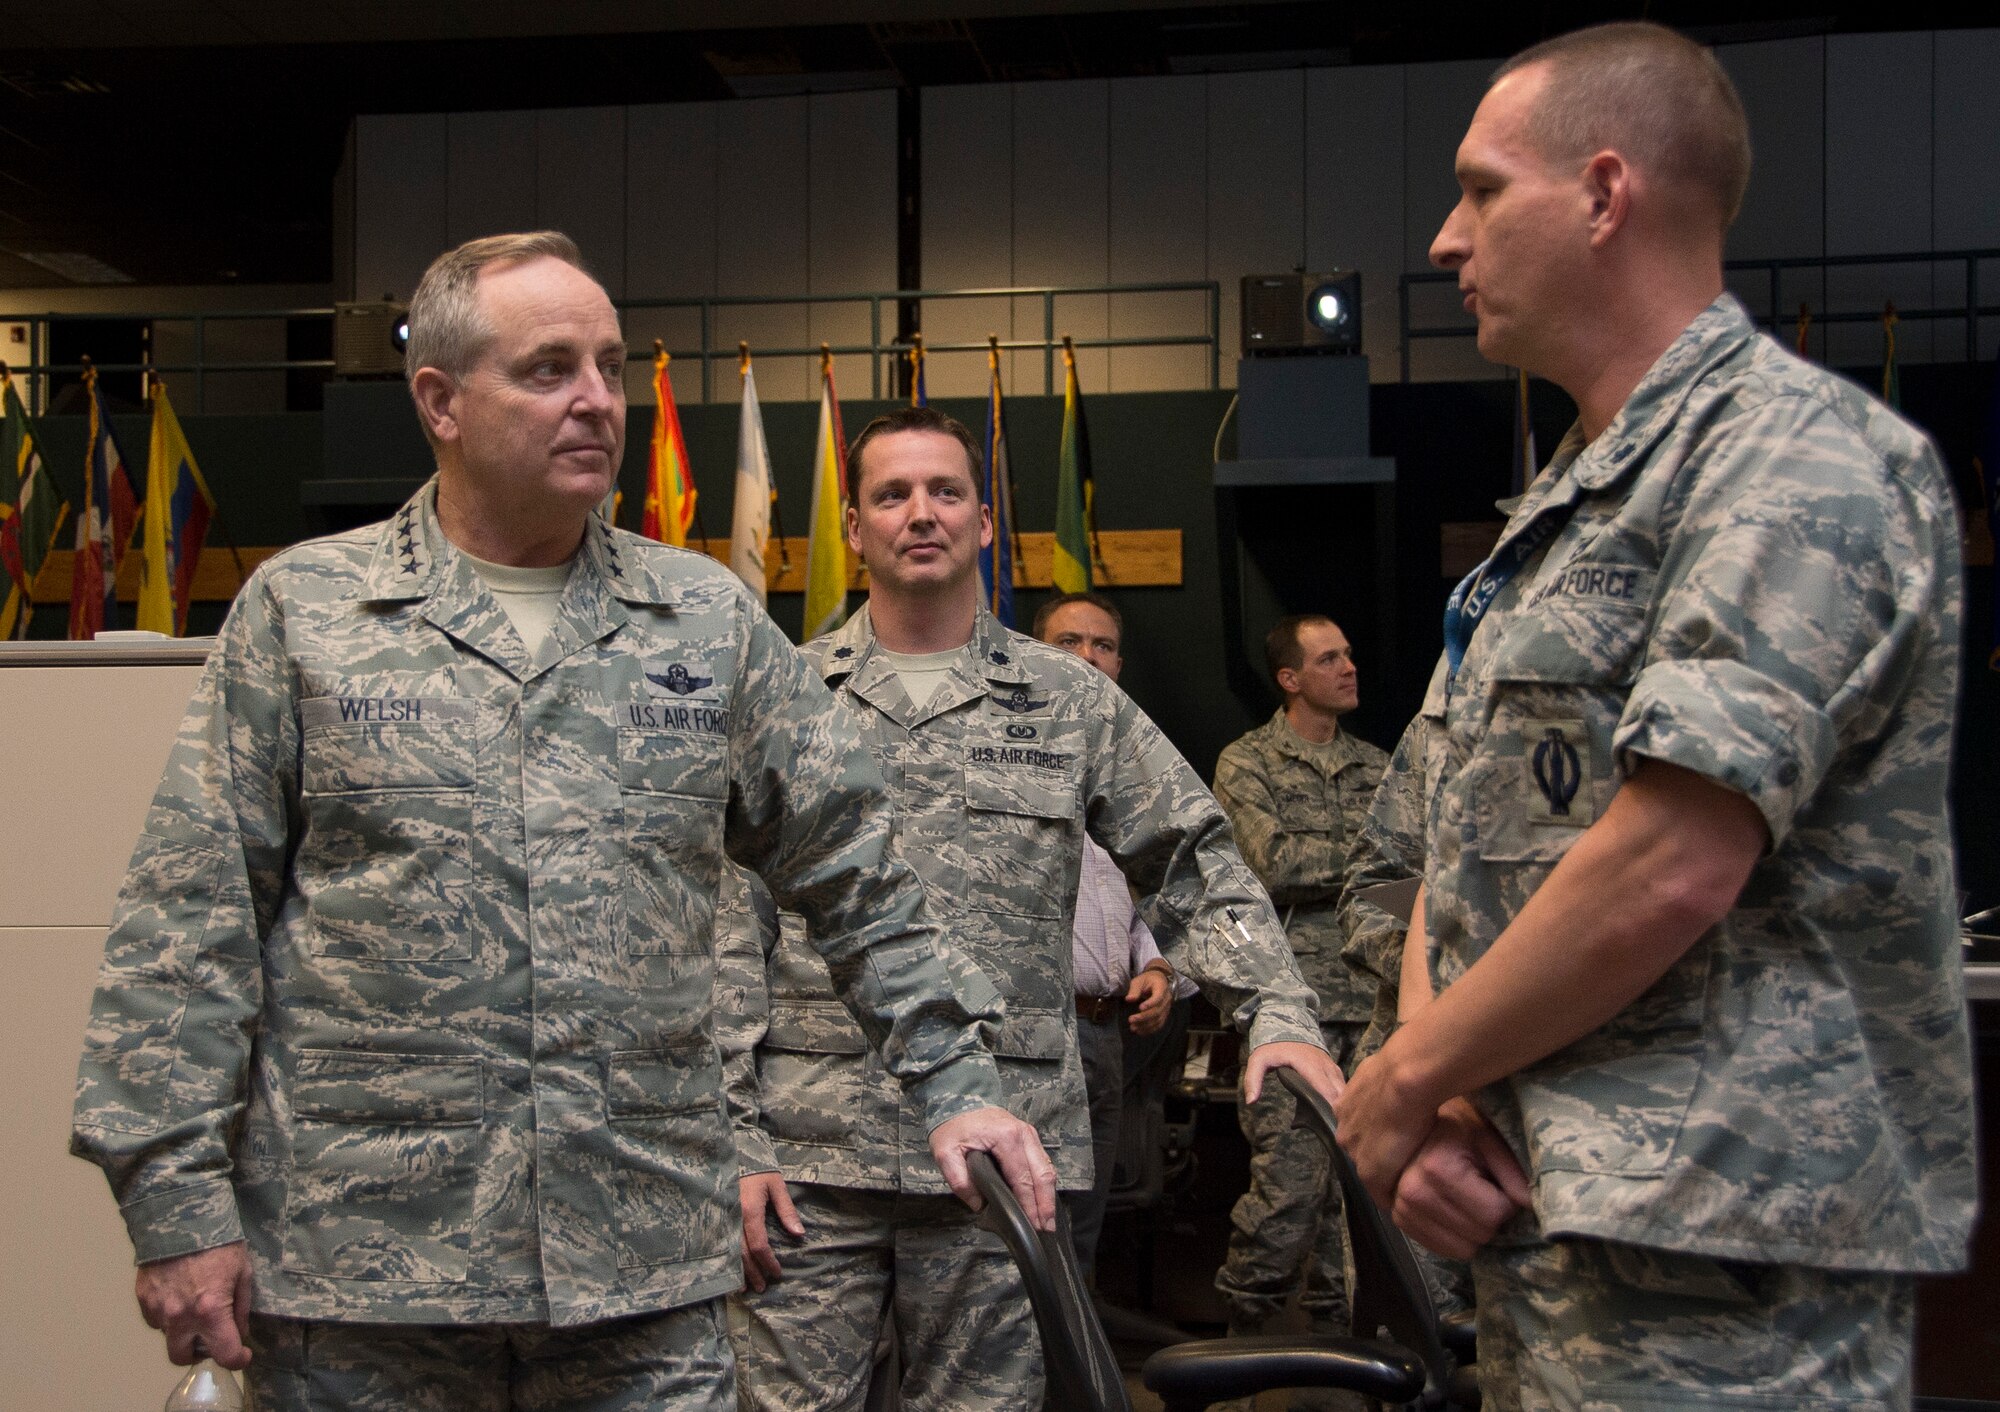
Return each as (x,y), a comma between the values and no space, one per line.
(884,356)
(1774,316)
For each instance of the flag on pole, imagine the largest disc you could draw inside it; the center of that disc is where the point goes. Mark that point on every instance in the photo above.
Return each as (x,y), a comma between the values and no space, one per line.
(826,545)
(918,397)
(670,493)
(750,523)
(30,513)
(1076,492)
(104,529)
(1892,381)
(996,560)
(1527,462)
(1805,325)
(178,509)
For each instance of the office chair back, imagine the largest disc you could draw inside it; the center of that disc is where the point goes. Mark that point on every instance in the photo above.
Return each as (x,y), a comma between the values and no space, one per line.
(1389,1290)
(1082,1372)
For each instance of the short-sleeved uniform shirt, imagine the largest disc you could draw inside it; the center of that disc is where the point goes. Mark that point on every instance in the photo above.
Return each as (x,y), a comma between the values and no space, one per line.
(1757,580)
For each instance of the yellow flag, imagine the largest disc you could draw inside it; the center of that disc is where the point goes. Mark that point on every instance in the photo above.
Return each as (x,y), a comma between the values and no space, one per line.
(826,544)
(178,508)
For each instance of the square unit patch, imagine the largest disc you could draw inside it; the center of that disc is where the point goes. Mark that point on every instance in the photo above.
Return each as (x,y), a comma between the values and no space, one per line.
(1555,756)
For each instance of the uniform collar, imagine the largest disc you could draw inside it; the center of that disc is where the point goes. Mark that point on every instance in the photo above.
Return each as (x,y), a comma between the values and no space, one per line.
(988,661)
(412,559)
(1290,742)
(414,562)
(1717,333)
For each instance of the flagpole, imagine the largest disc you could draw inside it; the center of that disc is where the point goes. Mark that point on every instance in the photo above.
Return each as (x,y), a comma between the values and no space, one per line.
(777,519)
(1013,519)
(1089,511)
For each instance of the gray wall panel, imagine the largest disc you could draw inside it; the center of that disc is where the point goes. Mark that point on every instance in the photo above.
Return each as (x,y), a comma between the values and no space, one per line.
(1965,192)
(1438,103)
(670,235)
(852,215)
(968,229)
(1256,184)
(1157,217)
(762,234)
(1061,212)
(1354,193)
(580,184)
(1784,95)
(399,201)
(1878,184)
(491,174)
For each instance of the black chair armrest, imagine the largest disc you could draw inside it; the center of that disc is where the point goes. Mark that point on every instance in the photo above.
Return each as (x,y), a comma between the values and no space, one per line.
(1214,1370)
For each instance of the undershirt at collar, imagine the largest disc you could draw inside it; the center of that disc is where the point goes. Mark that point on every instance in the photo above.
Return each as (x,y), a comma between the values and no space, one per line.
(921,673)
(528,596)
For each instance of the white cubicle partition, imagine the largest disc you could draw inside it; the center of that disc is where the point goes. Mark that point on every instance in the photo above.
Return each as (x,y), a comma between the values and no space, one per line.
(87,729)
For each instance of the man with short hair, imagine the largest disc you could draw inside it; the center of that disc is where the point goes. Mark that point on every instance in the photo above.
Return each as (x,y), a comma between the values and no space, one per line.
(1296,790)
(399,1062)
(1003,755)
(1123,984)
(1695,1080)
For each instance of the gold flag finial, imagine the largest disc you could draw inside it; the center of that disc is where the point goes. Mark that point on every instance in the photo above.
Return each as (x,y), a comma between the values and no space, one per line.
(825,359)
(742,358)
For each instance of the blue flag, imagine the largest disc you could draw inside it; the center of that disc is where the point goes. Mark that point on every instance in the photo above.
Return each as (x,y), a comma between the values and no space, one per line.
(996,560)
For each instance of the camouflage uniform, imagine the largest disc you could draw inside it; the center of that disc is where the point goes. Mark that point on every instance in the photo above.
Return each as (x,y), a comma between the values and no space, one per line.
(997,778)
(1759,582)
(1390,848)
(409,981)
(1295,819)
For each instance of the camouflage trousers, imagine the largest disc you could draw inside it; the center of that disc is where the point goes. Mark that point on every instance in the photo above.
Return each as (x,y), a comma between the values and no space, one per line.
(1289,1222)
(1595,1326)
(967,1335)
(677,1359)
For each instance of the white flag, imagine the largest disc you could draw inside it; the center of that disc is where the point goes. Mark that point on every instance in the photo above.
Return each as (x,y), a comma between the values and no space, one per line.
(750,525)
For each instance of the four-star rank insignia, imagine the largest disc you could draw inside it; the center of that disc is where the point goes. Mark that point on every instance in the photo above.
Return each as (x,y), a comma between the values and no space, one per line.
(1017,701)
(679,680)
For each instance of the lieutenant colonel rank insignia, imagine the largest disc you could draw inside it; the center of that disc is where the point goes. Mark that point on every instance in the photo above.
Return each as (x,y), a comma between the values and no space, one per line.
(1556,757)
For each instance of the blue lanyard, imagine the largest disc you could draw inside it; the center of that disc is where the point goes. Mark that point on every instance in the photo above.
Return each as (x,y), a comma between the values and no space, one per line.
(1477,590)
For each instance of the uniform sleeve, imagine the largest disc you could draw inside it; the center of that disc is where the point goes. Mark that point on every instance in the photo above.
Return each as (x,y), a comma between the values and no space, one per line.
(1293,866)
(1388,848)
(163,1079)
(808,812)
(746,931)
(1212,919)
(1793,602)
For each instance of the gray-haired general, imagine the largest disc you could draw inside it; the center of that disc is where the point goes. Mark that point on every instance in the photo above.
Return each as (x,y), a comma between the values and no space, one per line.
(400,1061)
(1687,1072)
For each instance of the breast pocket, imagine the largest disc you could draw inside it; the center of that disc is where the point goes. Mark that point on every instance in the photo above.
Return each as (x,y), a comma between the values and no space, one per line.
(673,788)
(1019,857)
(1559,678)
(384,864)
(385,1159)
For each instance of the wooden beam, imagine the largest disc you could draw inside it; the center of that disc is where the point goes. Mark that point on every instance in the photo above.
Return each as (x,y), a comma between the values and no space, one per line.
(1132,559)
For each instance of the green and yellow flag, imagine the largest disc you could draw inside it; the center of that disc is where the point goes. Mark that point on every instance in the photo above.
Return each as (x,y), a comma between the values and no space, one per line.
(31,512)
(826,542)
(1076,492)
